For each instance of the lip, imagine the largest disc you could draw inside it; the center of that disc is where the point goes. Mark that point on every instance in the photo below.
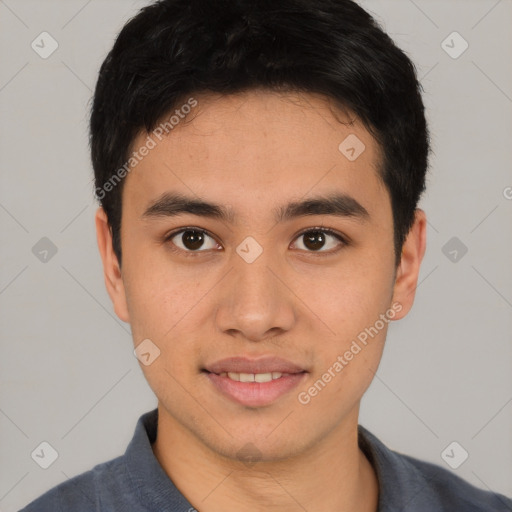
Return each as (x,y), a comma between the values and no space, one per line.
(254,394)
(266,364)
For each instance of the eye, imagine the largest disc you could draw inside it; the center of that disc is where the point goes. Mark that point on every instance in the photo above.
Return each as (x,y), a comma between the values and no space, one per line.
(192,240)
(320,240)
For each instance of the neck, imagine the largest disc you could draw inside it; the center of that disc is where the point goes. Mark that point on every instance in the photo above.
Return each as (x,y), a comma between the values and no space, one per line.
(334,475)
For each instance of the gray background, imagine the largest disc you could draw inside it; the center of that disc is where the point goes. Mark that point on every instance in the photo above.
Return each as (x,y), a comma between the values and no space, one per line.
(68,374)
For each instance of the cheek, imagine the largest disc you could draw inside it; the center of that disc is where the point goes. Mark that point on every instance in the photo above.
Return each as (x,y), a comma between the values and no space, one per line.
(344,373)
(347,298)
(348,302)
(160,306)
(158,292)
(161,309)
(169,306)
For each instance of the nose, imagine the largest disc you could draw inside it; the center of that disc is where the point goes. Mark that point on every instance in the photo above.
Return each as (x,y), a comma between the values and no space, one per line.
(257,302)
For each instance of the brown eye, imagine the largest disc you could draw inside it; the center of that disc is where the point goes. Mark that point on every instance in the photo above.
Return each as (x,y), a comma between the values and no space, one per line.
(192,240)
(319,240)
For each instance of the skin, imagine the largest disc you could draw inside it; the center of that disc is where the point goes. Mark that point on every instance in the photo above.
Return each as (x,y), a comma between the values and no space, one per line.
(256,151)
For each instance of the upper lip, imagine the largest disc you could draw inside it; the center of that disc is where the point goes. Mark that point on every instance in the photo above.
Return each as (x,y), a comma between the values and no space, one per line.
(248,365)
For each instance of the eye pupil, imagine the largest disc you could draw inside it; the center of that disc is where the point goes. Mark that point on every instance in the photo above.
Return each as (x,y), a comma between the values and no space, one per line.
(192,239)
(314,240)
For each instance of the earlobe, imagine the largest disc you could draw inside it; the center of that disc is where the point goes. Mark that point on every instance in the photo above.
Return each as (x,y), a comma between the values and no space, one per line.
(408,270)
(111,269)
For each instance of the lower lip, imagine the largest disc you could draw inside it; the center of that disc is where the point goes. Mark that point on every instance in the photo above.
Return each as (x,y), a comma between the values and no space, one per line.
(256,394)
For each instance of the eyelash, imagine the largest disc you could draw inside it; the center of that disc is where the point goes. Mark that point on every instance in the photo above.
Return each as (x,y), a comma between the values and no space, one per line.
(344,241)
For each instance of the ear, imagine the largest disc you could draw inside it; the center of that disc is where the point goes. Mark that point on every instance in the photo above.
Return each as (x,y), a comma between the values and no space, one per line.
(409,268)
(111,269)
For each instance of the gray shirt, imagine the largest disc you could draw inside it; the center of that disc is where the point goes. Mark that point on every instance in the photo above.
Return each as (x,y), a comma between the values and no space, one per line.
(136,482)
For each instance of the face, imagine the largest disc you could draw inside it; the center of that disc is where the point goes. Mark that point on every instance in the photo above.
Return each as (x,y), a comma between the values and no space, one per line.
(276,265)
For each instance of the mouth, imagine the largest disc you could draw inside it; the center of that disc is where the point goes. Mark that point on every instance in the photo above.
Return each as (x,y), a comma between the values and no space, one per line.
(252,377)
(254,382)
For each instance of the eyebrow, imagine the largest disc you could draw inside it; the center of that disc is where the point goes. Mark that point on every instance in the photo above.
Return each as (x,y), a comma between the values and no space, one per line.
(173,204)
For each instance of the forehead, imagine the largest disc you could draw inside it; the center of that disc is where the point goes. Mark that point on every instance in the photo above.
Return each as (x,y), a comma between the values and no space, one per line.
(251,149)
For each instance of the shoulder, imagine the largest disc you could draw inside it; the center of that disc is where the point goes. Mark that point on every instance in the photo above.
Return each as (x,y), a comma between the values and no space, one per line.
(455,493)
(408,483)
(83,492)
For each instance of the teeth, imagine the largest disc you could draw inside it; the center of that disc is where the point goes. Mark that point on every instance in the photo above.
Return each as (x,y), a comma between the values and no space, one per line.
(252,377)
(262,377)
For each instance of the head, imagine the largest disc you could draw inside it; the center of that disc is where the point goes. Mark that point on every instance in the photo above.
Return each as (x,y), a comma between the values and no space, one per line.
(226,137)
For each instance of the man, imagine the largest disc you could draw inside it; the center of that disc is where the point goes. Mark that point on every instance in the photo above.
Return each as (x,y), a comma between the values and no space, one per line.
(259,166)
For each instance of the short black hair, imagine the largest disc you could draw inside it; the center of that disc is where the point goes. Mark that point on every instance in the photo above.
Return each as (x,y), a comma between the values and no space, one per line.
(175,48)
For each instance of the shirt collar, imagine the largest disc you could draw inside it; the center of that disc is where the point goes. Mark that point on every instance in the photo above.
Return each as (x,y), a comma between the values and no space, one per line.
(401,485)
(149,481)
